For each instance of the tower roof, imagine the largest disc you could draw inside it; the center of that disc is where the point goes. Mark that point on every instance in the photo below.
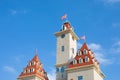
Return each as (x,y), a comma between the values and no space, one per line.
(67,25)
(34,67)
(67,29)
(84,57)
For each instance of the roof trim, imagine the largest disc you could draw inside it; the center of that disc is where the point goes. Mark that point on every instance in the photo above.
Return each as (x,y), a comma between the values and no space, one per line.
(67,31)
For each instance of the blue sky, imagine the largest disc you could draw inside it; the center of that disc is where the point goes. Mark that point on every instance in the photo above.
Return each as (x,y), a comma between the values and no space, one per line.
(29,24)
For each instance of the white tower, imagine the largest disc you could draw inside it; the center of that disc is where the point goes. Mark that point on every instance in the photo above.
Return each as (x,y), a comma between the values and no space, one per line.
(66,49)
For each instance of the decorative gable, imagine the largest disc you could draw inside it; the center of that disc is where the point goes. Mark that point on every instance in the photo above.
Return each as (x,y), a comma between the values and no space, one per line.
(84,57)
(34,67)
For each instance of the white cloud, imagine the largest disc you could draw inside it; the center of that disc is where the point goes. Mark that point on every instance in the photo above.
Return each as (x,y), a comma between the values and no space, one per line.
(117,43)
(95,46)
(18,58)
(9,69)
(15,12)
(116,47)
(112,1)
(79,45)
(52,74)
(109,1)
(99,52)
(116,25)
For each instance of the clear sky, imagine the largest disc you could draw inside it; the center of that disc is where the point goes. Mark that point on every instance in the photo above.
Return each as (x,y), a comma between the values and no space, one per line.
(29,24)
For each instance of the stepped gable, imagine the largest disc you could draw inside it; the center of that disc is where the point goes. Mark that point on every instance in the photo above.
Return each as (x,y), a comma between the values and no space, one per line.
(34,67)
(84,57)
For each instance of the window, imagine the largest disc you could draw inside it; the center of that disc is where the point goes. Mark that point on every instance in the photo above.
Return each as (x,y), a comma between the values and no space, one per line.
(32,70)
(57,69)
(63,35)
(80,77)
(73,50)
(62,69)
(74,61)
(24,71)
(85,51)
(62,48)
(62,76)
(64,28)
(28,71)
(79,53)
(30,64)
(39,70)
(86,59)
(80,60)
(33,63)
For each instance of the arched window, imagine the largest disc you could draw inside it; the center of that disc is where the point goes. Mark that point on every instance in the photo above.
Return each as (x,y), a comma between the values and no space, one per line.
(39,71)
(33,63)
(86,59)
(64,27)
(24,71)
(32,70)
(30,64)
(80,60)
(57,69)
(28,71)
(79,53)
(62,76)
(74,62)
(62,69)
(62,48)
(84,51)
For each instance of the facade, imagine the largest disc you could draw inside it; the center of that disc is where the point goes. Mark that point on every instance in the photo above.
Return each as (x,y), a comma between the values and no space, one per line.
(33,71)
(73,64)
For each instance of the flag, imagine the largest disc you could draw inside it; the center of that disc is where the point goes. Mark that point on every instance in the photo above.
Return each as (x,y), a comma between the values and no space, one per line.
(64,16)
(82,38)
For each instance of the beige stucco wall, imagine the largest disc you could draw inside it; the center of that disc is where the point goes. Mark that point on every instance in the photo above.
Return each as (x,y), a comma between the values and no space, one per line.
(97,76)
(68,43)
(87,74)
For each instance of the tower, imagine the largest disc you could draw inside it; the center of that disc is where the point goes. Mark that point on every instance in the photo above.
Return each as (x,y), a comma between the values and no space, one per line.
(33,71)
(66,49)
(84,66)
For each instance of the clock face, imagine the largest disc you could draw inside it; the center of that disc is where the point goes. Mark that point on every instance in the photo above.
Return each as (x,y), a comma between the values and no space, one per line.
(63,35)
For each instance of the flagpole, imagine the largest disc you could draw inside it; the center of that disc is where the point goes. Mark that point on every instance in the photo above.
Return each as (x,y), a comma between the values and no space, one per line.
(66,18)
(83,38)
